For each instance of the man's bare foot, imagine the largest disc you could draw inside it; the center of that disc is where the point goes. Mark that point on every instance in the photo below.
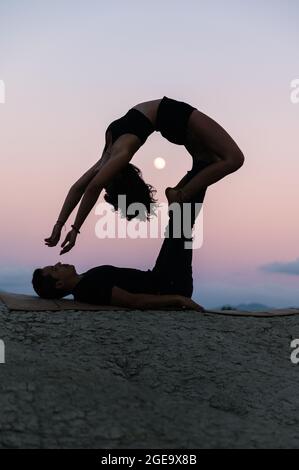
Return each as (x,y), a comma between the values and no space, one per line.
(173,195)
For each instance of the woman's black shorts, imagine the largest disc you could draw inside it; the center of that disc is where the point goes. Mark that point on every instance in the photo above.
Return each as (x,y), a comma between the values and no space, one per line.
(172,120)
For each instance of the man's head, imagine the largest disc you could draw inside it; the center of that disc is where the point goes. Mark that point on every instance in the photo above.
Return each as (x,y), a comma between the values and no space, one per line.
(55,282)
(129,182)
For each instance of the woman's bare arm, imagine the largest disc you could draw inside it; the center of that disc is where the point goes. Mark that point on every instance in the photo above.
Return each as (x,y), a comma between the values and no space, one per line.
(86,178)
(77,189)
(109,170)
(73,197)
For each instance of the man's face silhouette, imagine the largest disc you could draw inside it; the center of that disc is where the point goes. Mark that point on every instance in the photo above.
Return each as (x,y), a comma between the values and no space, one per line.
(63,273)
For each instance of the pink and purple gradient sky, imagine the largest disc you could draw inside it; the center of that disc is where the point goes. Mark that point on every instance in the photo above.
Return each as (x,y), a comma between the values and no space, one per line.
(71,67)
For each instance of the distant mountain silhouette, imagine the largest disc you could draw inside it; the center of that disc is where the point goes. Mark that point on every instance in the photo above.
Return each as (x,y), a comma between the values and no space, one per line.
(251,307)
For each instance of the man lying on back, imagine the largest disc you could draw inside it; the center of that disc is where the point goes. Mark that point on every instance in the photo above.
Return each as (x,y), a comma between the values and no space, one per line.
(168,284)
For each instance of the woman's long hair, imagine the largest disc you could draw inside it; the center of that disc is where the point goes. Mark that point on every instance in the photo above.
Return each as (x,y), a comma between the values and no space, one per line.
(129,182)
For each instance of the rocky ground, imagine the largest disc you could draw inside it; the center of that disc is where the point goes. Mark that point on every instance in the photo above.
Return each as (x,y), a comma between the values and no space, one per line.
(147,380)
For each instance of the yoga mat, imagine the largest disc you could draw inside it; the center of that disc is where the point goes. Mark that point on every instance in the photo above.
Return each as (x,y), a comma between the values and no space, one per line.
(34,303)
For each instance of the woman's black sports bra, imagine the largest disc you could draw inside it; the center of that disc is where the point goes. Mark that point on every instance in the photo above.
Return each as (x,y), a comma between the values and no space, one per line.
(133,122)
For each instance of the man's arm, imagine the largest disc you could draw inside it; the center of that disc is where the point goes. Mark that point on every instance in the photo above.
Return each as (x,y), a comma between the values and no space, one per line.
(124,298)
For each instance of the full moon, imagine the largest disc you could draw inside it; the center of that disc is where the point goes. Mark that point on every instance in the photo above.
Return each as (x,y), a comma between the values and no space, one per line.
(159,163)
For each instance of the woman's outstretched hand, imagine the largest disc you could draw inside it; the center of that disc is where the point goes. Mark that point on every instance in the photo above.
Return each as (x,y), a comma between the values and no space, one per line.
(68,242)
(55,236)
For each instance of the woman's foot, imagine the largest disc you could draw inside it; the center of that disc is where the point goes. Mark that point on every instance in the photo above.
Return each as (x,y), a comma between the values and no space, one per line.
(173,195)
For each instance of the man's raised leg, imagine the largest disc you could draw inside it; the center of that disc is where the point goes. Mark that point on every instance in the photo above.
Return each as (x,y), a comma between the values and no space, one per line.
(173,266)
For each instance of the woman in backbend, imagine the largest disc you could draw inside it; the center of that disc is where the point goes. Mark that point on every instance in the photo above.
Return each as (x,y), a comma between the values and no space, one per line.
(214,153)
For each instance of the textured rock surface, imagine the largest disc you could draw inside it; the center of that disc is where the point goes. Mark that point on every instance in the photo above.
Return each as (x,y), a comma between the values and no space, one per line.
(147,379)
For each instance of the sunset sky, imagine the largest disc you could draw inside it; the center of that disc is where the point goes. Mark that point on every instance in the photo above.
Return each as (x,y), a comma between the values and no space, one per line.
(71,67)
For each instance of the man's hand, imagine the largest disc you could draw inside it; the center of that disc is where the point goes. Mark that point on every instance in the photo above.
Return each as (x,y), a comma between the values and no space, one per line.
(69,242)
(55,236)
(124,298)
(187,303)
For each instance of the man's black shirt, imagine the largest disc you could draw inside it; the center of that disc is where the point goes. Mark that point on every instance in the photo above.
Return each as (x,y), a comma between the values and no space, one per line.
(96,284)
